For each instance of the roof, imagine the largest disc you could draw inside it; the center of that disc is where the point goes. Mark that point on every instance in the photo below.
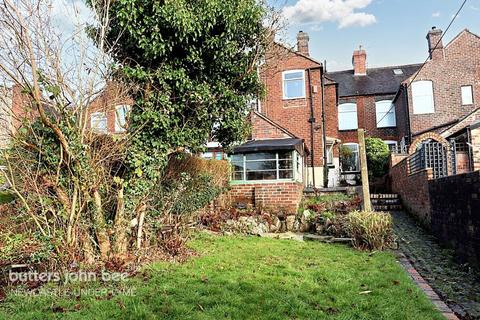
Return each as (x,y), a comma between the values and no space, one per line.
(377,81)
(462,123)
(270,145)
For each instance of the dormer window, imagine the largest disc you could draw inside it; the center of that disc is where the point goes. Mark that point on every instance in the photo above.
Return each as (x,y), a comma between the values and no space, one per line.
(293,84)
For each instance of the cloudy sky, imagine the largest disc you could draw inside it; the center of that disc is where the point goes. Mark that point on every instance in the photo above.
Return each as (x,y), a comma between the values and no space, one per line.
(392,31)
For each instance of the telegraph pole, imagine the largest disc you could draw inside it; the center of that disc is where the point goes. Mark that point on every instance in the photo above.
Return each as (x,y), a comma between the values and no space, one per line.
(367,205)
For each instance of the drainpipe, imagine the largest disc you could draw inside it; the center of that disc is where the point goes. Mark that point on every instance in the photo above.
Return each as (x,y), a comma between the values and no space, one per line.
(409,129)
(324,129)
(312,121)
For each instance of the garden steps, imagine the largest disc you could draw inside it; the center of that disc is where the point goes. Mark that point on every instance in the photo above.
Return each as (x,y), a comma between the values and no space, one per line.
(386,202)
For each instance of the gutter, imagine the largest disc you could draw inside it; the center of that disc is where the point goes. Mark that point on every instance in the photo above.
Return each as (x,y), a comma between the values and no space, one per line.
(407,102)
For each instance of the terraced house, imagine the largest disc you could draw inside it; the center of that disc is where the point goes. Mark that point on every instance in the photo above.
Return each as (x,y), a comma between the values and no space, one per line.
(309,117)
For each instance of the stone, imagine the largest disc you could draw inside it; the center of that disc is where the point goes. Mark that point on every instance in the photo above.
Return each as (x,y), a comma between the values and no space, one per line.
(276,225)
(290,221)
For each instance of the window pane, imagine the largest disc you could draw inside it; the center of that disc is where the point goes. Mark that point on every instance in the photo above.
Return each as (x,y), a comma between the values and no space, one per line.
(293,75)
(286,174)
(294,88)
(219,155)
(262,175)
(98,122)
(237,166)
(261,156)
(285,155)
(261,165)
(347,116)
(285,164)
(350,160)
(207,155)
(422,96)
(121,113)
(467,95)
(237,175)
(237,158)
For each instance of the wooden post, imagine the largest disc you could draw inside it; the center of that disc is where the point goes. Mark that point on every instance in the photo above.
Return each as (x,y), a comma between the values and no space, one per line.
(367,205)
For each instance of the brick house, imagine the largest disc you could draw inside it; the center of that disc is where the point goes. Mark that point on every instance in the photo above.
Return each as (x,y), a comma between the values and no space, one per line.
(365,97)
(443,99)
(445,90)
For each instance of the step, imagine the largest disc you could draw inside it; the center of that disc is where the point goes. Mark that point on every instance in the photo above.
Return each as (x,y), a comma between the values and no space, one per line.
(386,201)
(387,208)
(384,196)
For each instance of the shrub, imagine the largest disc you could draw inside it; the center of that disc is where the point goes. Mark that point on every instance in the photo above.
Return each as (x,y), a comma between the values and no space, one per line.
(377,157)
(370,230)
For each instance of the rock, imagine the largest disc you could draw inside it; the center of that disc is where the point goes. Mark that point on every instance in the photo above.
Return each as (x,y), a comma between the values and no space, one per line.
(276,225)
(290,221)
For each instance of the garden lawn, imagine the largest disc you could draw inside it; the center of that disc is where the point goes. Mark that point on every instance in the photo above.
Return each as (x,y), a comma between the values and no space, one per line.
(251,278)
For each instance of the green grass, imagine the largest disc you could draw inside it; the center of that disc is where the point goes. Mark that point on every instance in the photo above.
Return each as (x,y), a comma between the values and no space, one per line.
(252,278)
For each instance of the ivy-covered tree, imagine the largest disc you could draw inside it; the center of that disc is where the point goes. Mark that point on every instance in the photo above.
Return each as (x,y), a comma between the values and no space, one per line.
(194,64)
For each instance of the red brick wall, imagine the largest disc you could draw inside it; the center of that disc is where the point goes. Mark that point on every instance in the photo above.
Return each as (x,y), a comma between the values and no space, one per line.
(413,190)
(293,115)
(263,129)
(281,196)
(367,119)
(460,66)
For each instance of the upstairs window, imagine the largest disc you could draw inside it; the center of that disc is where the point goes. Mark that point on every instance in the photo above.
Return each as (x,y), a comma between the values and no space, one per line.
(385,111)
(422,96)
(467,95)
(293,84)
(121,113)
(349,157)
(347,116)
(98,122)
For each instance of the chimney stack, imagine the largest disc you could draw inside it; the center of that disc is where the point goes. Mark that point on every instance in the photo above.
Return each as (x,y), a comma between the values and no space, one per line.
(434,36)
(302,43)
(359,61)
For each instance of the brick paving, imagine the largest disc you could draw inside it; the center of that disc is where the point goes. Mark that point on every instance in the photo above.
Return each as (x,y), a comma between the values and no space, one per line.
(449,285)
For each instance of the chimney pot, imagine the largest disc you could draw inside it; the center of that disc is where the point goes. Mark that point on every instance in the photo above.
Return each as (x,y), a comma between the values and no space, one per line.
(302,43)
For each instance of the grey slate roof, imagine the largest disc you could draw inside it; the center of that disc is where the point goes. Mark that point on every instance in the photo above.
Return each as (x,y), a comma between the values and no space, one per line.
(378,81)
(269,145)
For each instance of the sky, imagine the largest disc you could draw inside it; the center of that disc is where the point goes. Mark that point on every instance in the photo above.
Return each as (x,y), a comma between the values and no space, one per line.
(391,31)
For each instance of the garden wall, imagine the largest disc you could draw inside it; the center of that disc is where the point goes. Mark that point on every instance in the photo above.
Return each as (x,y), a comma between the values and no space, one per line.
(455,205)
(413,190)
(281,196)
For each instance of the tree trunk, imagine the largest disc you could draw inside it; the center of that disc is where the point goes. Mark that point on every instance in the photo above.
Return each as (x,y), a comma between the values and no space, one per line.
(101,227)
(141,220)
(120,226)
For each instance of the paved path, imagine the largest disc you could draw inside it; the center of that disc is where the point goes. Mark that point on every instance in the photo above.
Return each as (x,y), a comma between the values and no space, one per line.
(458,285)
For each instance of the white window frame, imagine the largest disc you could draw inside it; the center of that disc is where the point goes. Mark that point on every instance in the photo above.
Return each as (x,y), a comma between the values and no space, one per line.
(297,165)
(381,115)
(343,126)
(467,96)
(118,126)
(422,109)
(391,142)
(93,118)
(284,81)
(358,158)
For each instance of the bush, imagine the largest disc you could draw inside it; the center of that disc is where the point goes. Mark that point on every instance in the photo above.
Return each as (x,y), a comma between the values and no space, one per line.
(370,230)
(378,155)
